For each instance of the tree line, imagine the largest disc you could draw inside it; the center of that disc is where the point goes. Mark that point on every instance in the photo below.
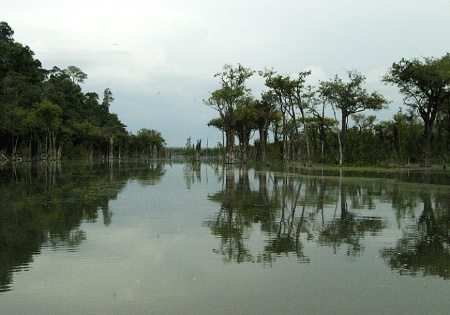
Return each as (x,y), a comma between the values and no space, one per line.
(294,114)
(46,115)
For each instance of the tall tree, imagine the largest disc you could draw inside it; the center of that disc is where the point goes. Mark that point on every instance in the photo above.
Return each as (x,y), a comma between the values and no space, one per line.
(17,59)
(113,129)
(302,97)
(6,33)
(291,94)
(75,74)
(20,78)
(425,85)
(225,101)
(350,98)
(322,126)
(277,85)
(148,140)
(47,117)
(363,123)
(245,124)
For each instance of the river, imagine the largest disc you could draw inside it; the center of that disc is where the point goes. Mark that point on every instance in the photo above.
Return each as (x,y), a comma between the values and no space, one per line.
(154,237)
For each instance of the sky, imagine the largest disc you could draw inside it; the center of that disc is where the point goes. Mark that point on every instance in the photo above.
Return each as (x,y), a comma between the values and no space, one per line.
(159,57)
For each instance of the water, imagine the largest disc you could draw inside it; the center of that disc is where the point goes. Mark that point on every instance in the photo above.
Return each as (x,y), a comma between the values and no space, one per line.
(161,238)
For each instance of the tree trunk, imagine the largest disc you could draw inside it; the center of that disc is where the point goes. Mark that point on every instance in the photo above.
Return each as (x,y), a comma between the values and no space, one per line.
(341,153)
(111,147)
(198,149)
(342,140)
(285,144)
(30,151)
(426,146)
(245,141)
(308,153)
(230,148)
(14,146)
(59,151)
(261,155)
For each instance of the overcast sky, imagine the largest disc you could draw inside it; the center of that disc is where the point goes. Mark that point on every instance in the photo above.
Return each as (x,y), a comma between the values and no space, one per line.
(159,57)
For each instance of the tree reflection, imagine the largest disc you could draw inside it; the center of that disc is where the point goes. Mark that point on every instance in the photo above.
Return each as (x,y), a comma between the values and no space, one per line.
(348,227)
(290,211)
(44,204)
(287,237)
(231,223)
(69,239)
(192,173)
(424,248)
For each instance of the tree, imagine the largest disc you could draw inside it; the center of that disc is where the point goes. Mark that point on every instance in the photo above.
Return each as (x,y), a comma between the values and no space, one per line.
(31,124)
(425,85)
(113,129)
(302,96)
(19,60)
(350,98)
(6,33)
(148,140)
(292,94)
(266,113)
(60,89)
(47,116)
(245,124)
(276,83)
(218,123)
(107,98)
(20,73)
(75,74)
(11,123)
(363,123)
(225,101)
(322,126)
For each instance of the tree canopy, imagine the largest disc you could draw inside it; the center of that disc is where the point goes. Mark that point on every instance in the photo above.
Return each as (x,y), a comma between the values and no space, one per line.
(45,114)
(225,100)
(296,115)
(425,85)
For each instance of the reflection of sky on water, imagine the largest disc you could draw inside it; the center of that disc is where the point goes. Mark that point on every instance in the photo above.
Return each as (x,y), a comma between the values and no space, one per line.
(158,256)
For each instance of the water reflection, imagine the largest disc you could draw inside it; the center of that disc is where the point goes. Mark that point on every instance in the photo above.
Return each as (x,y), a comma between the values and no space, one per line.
(254,215)
(44,204)
(336,212)
(424,246)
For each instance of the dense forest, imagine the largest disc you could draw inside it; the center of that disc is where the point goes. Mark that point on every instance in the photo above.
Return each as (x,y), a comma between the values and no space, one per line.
(45,115)
(294,115)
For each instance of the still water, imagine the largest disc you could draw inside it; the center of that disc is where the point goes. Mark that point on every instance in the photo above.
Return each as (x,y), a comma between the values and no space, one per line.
(162,238)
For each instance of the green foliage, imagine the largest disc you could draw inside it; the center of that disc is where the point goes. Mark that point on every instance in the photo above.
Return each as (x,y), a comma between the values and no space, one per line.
(216,123)
(426,88)
(295,115)
(147,140)
(45,112)
(75,74)
(47,115)
(226,99)
(349,98)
